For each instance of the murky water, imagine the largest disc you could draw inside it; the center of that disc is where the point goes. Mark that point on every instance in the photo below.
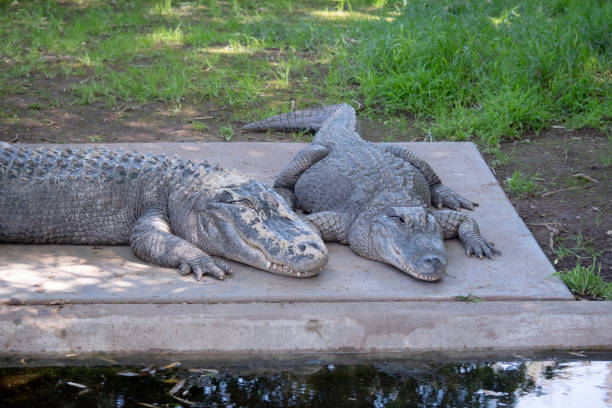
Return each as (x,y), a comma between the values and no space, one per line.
(391,384)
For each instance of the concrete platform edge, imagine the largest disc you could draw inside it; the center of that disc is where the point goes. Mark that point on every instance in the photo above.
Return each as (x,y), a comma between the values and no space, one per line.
(271,328)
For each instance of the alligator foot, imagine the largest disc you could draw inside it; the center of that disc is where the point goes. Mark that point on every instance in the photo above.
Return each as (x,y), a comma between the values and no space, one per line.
(443,196)
(480,247)
(204,265)
(457,224)
(473,242)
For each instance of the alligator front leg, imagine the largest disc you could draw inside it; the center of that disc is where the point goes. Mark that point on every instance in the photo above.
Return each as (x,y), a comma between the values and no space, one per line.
(152,240)
(286,179)
(456,224)
(332,226)
(440,194)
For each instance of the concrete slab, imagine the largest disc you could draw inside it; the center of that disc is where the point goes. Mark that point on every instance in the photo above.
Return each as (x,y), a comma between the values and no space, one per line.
(85,274)
(225,330)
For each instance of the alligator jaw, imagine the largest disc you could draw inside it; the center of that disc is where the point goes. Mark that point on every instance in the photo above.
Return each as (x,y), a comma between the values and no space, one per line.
(430,268)
(284,270)
(281,269)
(429,278)
(250,251)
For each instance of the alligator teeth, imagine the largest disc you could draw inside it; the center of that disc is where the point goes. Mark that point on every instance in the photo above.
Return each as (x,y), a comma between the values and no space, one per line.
(268,264)
(298,274)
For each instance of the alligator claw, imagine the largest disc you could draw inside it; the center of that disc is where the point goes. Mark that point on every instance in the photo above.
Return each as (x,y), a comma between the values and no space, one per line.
(205,265)
(444,196)
(482,249)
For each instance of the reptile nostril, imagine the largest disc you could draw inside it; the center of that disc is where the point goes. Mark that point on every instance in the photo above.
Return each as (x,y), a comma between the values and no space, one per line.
(434,261)
(311,244)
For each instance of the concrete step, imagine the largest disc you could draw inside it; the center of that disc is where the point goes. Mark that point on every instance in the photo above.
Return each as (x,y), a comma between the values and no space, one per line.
(60,299)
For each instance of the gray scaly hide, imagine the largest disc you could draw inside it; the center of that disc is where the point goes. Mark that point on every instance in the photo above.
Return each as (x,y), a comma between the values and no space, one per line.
(173,213)
(379,199)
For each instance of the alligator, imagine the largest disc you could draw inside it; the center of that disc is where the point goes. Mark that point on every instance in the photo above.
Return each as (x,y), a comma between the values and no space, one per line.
(172,212)
(381,199)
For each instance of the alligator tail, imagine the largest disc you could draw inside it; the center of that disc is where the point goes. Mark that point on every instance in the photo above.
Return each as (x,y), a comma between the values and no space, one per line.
(309,120)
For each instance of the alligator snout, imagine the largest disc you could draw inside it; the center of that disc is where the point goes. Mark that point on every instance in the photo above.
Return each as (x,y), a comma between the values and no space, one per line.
(433,267)
(312,265)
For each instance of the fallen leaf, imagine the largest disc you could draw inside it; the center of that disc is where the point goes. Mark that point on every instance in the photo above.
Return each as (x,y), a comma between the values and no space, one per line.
(469,298)
(490,393)
(203,371)
(127,374)
(184,401)
(148,370)
(73,384)
(177,387)
(171,365)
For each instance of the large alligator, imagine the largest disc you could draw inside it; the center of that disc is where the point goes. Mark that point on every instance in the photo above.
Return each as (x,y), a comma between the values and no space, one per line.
(172,212)
(376,198)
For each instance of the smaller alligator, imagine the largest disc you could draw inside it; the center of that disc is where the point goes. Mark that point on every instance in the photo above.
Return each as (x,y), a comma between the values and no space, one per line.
(376,198)
(172,212)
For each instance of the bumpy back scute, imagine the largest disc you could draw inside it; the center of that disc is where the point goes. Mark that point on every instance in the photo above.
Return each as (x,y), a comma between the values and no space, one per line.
(126,157)
(119,174)
(54,165)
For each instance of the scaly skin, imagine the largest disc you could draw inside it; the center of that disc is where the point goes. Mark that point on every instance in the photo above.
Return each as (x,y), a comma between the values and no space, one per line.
(379,199)
(172,213)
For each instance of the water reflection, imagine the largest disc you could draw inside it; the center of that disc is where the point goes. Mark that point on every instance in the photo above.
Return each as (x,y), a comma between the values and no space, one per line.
(394,384)
(570,384)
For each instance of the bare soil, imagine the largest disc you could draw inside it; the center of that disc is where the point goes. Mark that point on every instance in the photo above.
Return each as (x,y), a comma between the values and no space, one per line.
(570,214)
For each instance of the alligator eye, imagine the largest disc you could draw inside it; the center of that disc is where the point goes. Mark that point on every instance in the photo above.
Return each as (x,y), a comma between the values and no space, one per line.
(397,219)
(270,199)
(247,202)
(401,219)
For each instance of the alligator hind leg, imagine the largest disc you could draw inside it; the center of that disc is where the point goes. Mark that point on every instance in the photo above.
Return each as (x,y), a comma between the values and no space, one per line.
(456,224)
(332,226)
(440,195)
(286,179)
(152,240)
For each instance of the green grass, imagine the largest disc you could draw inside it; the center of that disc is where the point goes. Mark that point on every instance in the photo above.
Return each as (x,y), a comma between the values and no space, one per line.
(578,247)
(586,282)
(464,69)
(226,132)
(199,126)
(606,158)
(520,185)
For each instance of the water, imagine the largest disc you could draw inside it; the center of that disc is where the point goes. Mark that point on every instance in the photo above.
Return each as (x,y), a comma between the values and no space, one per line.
(542,383)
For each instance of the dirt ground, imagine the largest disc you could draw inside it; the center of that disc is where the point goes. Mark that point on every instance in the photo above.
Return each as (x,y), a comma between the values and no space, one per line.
(570,213)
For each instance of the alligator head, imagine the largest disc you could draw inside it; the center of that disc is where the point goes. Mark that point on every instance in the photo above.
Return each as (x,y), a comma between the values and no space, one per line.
(408,238)
(250,223)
